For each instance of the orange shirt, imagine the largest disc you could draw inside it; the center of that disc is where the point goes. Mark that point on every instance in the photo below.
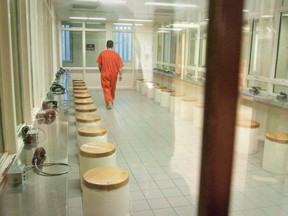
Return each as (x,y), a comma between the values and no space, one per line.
(110,61)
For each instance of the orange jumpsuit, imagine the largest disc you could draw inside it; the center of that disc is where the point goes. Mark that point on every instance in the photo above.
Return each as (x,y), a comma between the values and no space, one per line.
(110,63)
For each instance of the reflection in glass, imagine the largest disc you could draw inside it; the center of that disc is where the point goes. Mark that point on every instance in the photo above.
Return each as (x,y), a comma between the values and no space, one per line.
(16,61)
(91,25)
(1,132)
(203,43)
(282,56)
(159,47)
(263,85)
(75,42)
(123,46)
(66,24)
(95,43)
(280,88)
(262,38)
(166,50)
(192,47)
(173,47)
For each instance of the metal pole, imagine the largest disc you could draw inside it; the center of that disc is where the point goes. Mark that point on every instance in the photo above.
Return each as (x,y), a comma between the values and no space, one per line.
(221,91)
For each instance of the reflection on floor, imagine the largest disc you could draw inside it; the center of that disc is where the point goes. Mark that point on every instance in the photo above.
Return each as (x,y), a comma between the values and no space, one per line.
(161,152)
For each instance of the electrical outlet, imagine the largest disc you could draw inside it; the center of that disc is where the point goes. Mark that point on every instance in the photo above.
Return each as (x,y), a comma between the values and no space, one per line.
(16,174)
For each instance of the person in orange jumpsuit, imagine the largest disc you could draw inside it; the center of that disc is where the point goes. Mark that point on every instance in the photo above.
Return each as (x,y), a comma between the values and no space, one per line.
(110,65)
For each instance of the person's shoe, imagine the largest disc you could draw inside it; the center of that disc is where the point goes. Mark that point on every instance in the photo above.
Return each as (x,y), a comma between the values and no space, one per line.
(109,106)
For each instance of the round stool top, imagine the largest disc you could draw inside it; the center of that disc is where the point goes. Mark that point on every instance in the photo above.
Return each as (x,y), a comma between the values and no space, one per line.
(86,108)
(167,90)
(84,95)
(80,91)
(248,123)
(88,118)
(78,84)
(278,137)
(91,131)
(79,87)
(84,101)
(105,178)
(189,99)
(174,94)
(78,81)
(97,149)
(199,104)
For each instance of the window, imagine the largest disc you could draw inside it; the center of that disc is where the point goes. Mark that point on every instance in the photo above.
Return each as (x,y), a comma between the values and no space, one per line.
(66,46)
(16,61)
(173,47)
(123,46)
(166,50)
(192,47)
(203,44)
(262,43)
(159,47)
(1,132)
(95,43)
(282,55)
(75,42)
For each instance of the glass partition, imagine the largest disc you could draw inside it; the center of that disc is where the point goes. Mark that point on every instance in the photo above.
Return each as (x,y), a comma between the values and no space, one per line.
(92,25)
(159,47)
(282,55)
(277,89)
(262,43)
(1,132)
(173,47)
(203,43)
(95,43)
(72,48)
(166,48)
(192,47)
(67,24)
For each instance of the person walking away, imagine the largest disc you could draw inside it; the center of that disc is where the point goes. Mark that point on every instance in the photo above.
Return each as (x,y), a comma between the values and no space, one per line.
(110,65)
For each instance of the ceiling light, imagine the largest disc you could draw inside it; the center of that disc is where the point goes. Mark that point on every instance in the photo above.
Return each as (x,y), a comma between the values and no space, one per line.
(170,4)
(88,18)
(185,25)
(123,24)
(267,16)
(113,1)
(138,24)
(170,29)
(136,20)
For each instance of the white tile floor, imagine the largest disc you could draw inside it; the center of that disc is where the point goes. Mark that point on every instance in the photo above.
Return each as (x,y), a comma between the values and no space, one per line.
(161,152)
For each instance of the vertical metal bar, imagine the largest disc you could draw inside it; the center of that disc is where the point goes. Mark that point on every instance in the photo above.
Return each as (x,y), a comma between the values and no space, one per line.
(223,55)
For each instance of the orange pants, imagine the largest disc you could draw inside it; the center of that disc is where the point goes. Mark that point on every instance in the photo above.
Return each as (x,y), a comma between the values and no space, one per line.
(108,83)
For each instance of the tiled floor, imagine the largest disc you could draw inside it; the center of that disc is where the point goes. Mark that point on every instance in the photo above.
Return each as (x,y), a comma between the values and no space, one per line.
(161,152)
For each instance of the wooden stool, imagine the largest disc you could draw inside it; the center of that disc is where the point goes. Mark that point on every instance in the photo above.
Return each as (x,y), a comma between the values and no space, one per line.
(247,132)
(89,134)
(82,96)
(106,192)
(85,91)
(175,102)
(165,97)
(186,108)
(96,154)
(78,81)
(275,155)
(85,101)
(79,84)
(88,120)
(85,109)
(80,88)
(198,114)
(138,84)
(157,93)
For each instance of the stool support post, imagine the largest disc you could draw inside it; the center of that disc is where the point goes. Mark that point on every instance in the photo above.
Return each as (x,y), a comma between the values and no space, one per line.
(221,91)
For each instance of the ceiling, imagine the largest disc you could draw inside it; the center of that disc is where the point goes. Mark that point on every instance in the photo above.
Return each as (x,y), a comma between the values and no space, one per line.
(132,9)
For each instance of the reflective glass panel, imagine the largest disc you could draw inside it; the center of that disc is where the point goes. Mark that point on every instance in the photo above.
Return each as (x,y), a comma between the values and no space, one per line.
(95,43)
(282,63)
(72,49)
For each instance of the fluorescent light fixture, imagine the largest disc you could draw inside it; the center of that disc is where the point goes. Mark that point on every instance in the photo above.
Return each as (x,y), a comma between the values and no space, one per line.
(88,18)
(170,29)
(162,31)
(185,25)
(135,20)
(123,24)
(113,1)
(245,10)
(138,24)
(267,16)
(170,4)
